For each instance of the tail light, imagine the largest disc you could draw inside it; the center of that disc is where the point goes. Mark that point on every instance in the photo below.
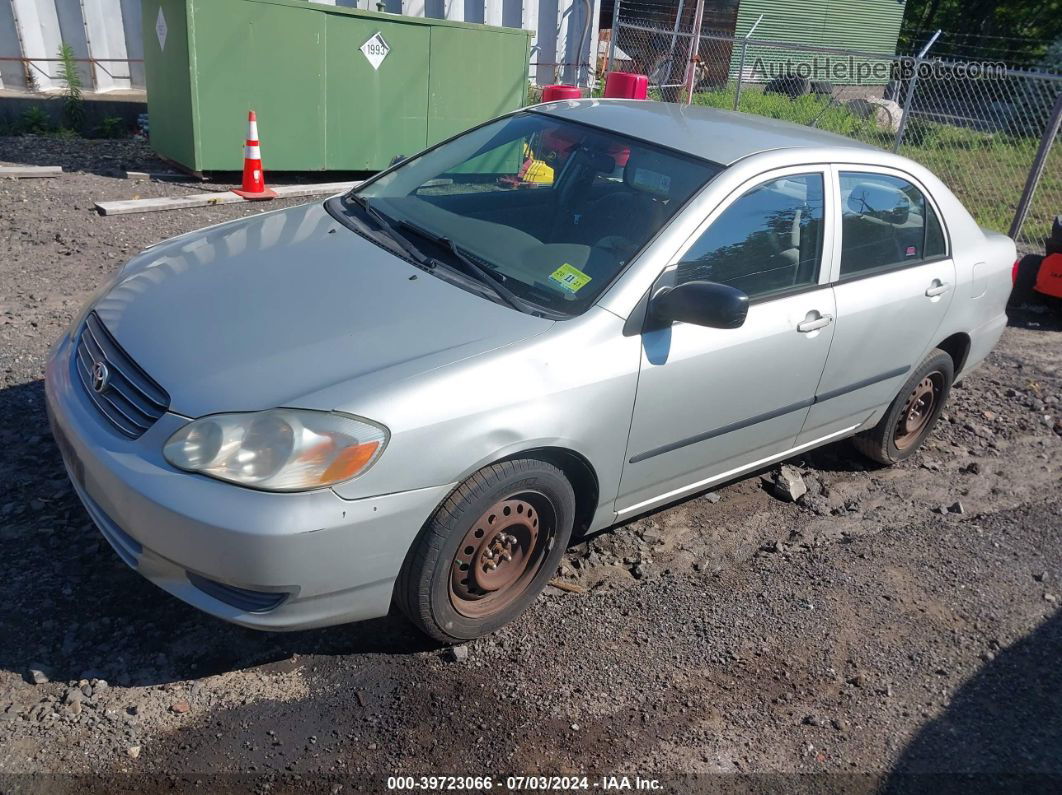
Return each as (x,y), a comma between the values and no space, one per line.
(1014,272)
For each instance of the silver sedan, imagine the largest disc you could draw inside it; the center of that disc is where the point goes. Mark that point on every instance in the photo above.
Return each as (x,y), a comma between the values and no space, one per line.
(416,392)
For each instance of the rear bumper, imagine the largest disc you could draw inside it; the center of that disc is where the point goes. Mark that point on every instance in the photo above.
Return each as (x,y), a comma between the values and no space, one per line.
(982,340)
(269,561)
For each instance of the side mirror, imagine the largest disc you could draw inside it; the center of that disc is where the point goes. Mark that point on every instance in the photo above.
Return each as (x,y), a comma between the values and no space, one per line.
(700,303)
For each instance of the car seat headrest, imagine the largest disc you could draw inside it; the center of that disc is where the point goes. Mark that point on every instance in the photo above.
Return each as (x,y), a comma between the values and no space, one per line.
(600,162)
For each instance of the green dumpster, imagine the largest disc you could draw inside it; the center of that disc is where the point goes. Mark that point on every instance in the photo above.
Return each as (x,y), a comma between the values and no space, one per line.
(333,88)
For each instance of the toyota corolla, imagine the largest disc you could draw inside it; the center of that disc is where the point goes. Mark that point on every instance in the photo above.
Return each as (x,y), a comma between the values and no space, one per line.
(414,393)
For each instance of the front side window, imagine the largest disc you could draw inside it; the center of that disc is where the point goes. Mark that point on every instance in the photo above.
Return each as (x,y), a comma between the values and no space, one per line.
(551,210)
(886,223)
(766,242)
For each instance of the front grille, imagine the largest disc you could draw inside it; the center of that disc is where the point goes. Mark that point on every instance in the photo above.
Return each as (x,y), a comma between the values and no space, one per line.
(241,598)
(124,394)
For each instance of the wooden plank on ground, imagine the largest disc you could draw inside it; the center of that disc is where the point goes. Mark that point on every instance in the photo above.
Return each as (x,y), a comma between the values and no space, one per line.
(167,203)
(162,175)
(24,172)
(214,197)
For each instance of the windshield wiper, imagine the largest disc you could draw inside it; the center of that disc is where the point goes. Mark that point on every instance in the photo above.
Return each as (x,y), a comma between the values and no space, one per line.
(388,228)
(473,268)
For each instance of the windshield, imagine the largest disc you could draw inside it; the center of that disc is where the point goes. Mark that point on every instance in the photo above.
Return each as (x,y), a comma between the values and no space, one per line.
(549,209)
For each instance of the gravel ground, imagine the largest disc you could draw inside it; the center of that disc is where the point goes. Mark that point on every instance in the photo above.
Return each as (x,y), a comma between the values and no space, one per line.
(890,622)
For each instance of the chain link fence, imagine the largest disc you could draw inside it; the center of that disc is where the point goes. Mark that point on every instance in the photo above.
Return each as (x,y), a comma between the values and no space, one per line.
(985,129)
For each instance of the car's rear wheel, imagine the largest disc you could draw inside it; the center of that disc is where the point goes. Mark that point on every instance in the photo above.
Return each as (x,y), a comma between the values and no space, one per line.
(488,551)
(912,414)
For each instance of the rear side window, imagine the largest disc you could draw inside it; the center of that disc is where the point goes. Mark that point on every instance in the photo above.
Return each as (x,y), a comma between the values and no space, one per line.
(935,246)
(768,241)
(886,223)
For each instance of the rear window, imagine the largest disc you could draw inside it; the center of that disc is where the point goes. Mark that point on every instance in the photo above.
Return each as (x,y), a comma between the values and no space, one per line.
(886,223)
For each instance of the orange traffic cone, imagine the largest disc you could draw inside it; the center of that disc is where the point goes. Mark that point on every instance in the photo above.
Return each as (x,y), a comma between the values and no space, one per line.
(254,186)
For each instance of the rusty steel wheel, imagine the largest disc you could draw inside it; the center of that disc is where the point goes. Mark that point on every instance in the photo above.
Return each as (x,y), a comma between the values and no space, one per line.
(913,412)
(500,554)
(488,550)
(918,409)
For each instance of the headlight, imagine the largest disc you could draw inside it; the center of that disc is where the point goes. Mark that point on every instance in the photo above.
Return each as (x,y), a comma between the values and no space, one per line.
(279,449)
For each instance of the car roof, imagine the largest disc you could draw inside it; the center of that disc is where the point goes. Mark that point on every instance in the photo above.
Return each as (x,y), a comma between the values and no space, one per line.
(721,136)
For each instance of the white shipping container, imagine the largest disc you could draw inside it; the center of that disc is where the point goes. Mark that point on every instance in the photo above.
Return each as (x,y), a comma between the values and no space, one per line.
(566,36)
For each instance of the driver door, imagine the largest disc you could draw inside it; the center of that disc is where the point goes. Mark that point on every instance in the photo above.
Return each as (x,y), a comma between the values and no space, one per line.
(713,401)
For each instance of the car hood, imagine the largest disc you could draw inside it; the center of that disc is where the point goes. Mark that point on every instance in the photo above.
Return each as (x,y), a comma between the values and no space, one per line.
(272,310)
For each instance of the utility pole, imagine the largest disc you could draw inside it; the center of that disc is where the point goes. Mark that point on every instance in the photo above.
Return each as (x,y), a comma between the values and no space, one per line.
(695,51)
(1037,170)
(614,35)
(741,66)
(911,91)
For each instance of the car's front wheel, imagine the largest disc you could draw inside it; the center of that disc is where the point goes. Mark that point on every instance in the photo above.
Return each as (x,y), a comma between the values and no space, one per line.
(488,551)
(912,414)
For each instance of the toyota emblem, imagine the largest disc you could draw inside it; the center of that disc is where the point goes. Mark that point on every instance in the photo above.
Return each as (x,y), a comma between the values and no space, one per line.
(101,376)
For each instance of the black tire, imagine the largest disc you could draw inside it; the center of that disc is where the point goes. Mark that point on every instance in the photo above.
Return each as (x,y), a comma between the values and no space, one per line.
(431,590)
(903,429)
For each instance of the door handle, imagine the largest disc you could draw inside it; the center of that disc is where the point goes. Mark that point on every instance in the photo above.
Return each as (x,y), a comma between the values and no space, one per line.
(815,324)
(937,288)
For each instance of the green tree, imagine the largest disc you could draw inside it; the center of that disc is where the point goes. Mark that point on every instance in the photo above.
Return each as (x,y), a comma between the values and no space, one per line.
(1018,31)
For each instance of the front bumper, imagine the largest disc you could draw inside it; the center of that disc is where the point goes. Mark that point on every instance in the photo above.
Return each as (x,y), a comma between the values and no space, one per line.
(262,560)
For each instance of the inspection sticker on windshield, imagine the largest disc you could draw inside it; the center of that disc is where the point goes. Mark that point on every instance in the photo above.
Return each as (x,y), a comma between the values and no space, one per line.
(570,278)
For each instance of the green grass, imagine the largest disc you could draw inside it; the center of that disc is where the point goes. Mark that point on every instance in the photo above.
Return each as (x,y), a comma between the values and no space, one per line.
(807,110)
(986,170)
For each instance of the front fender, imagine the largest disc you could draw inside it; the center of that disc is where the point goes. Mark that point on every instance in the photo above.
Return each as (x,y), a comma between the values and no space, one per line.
(572,387)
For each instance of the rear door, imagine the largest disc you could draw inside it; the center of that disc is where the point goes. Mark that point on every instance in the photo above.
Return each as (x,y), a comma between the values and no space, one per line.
(893,282)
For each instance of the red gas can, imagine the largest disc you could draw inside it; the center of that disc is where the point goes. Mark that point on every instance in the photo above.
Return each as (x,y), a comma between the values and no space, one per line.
(552,93)
(624,85)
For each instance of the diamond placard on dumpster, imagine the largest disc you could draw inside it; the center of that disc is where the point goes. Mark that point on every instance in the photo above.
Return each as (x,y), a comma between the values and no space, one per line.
(160,29)
(375,50)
